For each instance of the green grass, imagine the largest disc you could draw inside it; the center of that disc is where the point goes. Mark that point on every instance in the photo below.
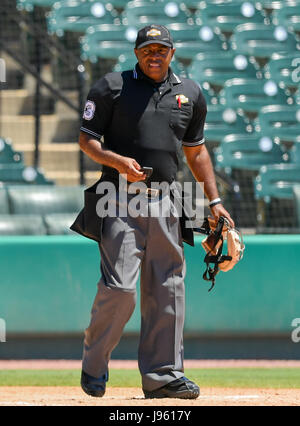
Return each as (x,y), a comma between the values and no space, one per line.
(212,377)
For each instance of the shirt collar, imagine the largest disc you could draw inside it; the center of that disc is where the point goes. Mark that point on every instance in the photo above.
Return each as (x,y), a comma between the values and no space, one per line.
(138,75)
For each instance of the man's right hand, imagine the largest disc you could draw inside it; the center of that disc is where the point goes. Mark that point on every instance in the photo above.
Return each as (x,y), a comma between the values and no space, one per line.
(125,165)
(131,168)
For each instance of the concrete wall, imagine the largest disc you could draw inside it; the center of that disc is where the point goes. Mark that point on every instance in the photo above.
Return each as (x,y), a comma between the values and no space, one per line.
(47,285)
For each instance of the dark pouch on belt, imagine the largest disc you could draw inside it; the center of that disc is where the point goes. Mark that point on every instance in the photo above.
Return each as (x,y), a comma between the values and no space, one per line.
(187,232)
(88,223)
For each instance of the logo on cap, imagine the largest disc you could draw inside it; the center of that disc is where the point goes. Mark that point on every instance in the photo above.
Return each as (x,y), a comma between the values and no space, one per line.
(153,33)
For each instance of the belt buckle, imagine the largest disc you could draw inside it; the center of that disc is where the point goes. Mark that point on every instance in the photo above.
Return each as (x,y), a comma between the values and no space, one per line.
(152,192)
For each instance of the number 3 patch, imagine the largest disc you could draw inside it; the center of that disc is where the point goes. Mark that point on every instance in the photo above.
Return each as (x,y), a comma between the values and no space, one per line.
(89,110)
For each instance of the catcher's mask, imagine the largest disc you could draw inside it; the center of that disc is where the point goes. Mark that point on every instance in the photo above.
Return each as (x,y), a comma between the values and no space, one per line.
(217,232)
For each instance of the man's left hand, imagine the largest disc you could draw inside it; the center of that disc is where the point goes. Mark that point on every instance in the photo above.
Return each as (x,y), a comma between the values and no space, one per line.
(218,210)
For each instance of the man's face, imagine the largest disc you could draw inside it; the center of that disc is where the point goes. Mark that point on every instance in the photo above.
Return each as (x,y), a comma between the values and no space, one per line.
(154,60)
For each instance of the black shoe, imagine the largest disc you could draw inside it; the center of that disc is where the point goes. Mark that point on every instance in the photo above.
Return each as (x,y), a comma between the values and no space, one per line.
(180,388)
(93,386)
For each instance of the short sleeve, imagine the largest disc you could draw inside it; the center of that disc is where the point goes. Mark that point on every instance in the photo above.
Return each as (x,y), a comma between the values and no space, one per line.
(195,132)
(98,109)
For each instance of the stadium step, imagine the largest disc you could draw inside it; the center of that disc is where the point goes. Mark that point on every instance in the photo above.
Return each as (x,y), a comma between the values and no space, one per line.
(53,157)
(72,178)
(59,162)
(20,102)
(21,129)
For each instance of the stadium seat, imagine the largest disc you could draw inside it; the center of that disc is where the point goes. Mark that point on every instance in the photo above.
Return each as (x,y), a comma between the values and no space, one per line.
(216,68)
(178,68)
(7,154)
(247,152)
(248,96)
(189,40)
(108,41)
(261,41)
(240,157)
(192,5)
(125,62)
(270,5)
(285,70)
(77,16)
(277,181)
(4,207)
(288,16)
(226,16)
(17,173)
(140,13)
(44,200)
(221,121)
(59,223)
(296,193)
(280,121)
(117,4)
(294,153)
(22,225)
(273,192)
(296,97)
(28,5)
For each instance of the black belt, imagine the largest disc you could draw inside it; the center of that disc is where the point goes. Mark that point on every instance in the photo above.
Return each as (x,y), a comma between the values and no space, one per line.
(150,192)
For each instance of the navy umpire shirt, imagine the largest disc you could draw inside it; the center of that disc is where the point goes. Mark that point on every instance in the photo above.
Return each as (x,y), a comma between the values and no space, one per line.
(145,120)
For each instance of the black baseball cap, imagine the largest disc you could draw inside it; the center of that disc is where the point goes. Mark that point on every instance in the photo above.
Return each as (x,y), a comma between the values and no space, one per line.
(153,34)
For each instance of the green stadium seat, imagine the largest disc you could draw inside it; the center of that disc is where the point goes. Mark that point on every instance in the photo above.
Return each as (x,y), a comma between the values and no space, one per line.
(296,97)
(4,206)
(44,200)
(178,68)
(17,173)
(247,152)
(288,16)
(270,5)
(296,193)
(248,96)
(216,68)
(192,5)
(285,70)
(78,16)
(118,4)
(108,41)
(189,40)
(7,154)
(221,121)
(28,5)
(125,62)
(140,13)
(277,181)
(59,223)
(261,41)
(294,153)
(280,121)
(226,16)
(210,97)
(22,225)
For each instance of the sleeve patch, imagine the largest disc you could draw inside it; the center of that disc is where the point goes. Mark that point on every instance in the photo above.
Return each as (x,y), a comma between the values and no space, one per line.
(89,110)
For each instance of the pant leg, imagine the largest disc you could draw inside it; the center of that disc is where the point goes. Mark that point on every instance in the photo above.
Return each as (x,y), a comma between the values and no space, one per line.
(121,251)
(162,304)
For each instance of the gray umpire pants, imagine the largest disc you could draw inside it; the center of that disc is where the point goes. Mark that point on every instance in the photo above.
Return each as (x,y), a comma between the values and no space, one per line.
(151,246)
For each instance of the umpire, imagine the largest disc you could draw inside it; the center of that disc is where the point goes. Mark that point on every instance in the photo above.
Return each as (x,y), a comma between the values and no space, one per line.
(145,116)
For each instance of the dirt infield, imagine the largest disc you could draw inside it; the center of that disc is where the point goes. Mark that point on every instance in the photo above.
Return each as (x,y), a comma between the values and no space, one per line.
(63,364)
(73,396)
